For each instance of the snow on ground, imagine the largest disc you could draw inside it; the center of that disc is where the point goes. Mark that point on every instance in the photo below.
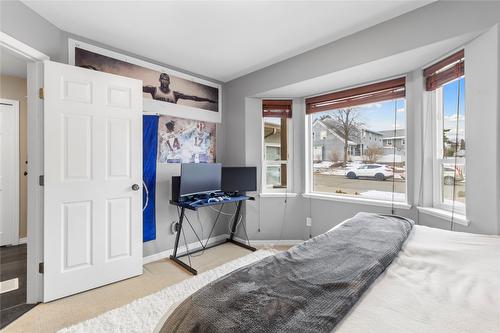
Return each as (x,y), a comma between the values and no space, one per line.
(382,195)
(322,165)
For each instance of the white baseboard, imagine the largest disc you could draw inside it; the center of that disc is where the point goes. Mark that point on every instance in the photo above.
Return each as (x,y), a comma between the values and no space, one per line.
(271,242)
(216,239)
(23,240)
(181,249)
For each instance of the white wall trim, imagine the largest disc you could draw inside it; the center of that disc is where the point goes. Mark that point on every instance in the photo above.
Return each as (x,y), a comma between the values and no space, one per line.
(219,238)
(445,215)
(24,50)
(361,201)
(194,245)
(34,285)
(270,242)
(23,240)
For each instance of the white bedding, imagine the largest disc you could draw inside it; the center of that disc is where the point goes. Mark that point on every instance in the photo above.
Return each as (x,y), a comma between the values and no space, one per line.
(441,281)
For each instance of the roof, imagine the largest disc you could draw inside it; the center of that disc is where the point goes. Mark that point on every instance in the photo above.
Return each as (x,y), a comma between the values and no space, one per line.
(371,131)
(391,134)
(328,124)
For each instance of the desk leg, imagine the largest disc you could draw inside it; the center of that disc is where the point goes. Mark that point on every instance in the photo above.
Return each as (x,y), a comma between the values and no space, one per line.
(176,245)
(181,218)
(233,230)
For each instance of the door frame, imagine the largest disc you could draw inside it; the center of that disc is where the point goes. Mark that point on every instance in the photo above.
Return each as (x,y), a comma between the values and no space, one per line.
(13,178)
(35,59)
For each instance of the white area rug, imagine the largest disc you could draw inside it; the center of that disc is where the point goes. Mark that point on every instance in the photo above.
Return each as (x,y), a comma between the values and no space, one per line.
(143,314)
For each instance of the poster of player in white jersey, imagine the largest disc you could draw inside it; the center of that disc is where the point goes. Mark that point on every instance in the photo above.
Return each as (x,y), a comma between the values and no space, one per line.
(158,85)
(185,140)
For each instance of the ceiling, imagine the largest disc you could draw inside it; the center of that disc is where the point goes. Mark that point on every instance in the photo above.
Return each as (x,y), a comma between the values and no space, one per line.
(11,64)
(395,65)
(222,40)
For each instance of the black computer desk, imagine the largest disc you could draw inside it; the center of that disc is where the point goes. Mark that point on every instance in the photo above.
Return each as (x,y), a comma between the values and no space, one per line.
(186,205)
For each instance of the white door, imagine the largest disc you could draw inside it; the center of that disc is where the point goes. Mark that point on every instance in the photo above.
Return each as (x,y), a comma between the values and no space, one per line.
(93,179)
(9,172)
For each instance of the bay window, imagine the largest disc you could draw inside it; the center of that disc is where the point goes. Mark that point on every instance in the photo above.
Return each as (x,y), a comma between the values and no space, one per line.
(358,142)
(276,118)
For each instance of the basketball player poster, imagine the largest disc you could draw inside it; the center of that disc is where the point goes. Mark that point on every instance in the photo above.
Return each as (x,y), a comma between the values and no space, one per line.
(158,85)
(185,140)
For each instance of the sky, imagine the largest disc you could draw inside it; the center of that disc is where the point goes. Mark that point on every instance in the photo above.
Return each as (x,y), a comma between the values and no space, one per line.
(380,116)
(450,99)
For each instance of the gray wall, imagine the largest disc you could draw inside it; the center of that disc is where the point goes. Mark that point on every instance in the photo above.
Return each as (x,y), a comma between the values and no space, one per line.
(424,26)
(24,24)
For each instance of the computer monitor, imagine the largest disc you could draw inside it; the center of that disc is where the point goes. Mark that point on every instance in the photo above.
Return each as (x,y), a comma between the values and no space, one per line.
(239,179)
(200,178)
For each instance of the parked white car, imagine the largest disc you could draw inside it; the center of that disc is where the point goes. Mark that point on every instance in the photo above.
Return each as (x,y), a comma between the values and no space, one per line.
(452,174)
(377,171)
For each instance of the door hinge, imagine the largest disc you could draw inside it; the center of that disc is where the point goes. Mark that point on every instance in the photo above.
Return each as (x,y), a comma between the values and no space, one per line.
(41,180)
(40,267)
(41,93)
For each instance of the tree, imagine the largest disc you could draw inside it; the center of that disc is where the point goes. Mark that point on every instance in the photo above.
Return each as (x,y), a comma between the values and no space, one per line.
(462,144)
(448,145)
(347,124)
(373,153)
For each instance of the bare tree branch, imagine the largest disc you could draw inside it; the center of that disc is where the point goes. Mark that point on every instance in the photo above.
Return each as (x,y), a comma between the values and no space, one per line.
(348,126)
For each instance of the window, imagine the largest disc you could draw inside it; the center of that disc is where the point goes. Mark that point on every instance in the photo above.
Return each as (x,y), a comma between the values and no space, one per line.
(275,162)
(360,159)
(445,82)
(322,135)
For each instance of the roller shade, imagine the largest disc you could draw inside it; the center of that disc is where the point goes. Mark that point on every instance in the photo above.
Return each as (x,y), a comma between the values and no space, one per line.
(444,71)
(277,108)
(377,92)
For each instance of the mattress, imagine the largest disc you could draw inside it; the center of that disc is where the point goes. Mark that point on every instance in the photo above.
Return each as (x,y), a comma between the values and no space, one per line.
(441,281)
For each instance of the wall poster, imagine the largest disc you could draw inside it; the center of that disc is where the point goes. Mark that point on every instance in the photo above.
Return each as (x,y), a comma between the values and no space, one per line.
(185,140)
(165,91)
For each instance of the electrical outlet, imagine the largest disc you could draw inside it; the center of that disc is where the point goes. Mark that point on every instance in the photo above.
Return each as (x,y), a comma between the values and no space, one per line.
(308,222)
(174,226)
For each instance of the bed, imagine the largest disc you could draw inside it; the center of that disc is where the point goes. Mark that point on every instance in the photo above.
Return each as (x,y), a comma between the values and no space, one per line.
(440,281)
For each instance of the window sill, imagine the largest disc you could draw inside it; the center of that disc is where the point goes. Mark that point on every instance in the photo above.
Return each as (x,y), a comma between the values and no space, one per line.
(380,203)
(445,215)
(277,195)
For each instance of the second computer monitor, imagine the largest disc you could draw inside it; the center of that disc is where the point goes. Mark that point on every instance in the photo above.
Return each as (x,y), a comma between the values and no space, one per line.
(239,179)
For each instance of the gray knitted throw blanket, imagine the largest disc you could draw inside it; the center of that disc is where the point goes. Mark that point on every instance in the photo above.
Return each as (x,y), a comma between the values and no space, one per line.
(308,288)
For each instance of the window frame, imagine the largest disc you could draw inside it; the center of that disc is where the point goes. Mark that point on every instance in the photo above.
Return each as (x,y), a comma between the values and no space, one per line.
(265,163)
(309,168)
(438,159)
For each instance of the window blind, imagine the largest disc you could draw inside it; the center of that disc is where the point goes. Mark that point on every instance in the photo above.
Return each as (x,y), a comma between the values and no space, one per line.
(277,108)
(376,92)
(444,71)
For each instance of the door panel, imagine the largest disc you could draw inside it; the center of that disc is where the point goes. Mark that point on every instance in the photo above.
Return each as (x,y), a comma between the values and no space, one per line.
(77,241)
(93,218)
(118,228)
(118,148)
(77,148)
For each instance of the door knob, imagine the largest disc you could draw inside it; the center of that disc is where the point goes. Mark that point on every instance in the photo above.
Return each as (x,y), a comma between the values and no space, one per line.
(135,187)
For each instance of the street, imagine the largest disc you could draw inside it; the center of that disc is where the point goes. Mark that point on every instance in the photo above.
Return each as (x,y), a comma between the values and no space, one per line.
(333,183)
